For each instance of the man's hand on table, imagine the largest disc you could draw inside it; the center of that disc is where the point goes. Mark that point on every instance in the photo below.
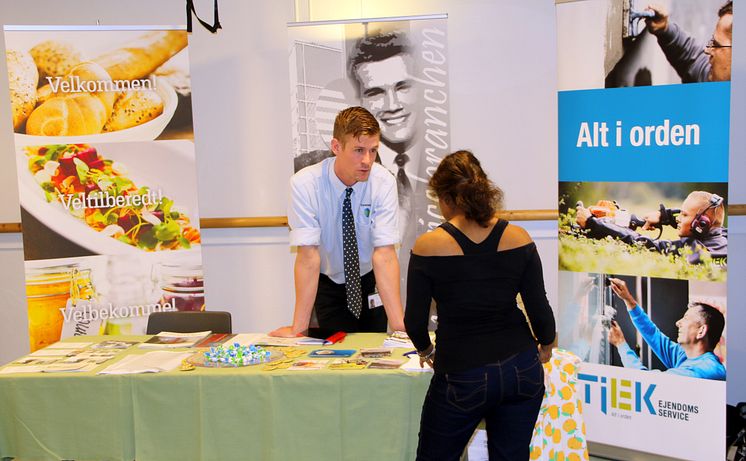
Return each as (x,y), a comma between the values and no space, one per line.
(284,332)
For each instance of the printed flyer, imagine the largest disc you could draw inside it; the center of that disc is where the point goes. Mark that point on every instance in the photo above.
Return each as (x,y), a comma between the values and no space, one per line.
(105,155)
(644,122)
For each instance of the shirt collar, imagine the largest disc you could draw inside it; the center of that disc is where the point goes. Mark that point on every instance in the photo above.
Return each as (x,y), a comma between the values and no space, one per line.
(338,186)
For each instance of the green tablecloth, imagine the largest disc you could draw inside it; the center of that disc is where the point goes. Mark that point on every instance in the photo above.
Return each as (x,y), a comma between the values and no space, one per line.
(214,414)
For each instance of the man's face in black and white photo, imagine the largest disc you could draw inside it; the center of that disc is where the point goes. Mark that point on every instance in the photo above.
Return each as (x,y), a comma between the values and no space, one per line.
(387,91)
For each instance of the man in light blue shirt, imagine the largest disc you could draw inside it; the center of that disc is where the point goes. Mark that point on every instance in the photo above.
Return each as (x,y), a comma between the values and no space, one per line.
(315,215)
(691,355)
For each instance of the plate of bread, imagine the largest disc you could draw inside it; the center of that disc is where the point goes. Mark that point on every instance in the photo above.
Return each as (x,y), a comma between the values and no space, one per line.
(60,95)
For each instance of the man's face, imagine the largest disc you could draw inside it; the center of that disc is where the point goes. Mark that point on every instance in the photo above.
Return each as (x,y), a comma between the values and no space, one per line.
(689,326)
(720,58)
(354,157)
(387,92)
(689,210)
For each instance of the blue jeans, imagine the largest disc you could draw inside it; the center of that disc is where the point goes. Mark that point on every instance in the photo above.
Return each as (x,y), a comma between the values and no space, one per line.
(506,394)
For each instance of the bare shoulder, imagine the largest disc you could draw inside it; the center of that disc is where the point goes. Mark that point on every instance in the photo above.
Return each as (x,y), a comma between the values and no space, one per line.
(436,243)
(513,237)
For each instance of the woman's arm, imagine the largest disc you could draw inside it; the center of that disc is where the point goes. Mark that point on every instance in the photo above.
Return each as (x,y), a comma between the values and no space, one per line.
(535,300)
(419,296)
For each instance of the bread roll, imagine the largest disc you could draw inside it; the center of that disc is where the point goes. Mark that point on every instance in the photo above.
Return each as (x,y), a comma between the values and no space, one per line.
(133,108)
(139,58)
(22,76)
(74,114)
(55,59)
(43,93)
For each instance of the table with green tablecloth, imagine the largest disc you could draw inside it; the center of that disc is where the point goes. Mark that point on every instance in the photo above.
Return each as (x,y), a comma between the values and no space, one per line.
(216,414)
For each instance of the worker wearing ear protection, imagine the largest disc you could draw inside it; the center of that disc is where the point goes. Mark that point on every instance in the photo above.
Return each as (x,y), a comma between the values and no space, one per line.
(699,225)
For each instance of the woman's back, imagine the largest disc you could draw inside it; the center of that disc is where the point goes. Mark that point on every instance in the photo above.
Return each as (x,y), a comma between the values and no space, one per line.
(440,242)
(474,277)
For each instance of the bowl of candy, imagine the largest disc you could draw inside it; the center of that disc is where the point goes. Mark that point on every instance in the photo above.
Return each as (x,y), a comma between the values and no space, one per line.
(235,355)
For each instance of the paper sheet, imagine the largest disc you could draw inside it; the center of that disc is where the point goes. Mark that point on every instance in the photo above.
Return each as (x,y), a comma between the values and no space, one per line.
(413,364)
(151,362)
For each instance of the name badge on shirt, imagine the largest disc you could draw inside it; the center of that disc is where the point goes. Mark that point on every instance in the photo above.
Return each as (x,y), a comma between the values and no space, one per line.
(374,300)
(365,212)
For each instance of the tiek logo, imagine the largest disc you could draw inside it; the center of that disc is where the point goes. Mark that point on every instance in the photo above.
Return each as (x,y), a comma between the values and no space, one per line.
(620,394)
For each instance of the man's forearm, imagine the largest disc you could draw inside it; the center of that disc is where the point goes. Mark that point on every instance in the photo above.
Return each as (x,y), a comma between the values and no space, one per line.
(684,53)
(629,358)
(386,270)
(306,272)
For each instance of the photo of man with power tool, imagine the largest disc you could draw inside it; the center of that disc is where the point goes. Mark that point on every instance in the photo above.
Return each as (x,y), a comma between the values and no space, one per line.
(699,223)
(605,228)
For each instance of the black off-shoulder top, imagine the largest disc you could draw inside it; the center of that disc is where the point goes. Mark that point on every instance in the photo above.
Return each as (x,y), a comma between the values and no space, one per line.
(479,321)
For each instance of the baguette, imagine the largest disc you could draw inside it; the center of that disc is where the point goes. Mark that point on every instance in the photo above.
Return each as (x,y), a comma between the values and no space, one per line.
(139,58)
(55,59)
(74,114)
(22,77)
(134,108)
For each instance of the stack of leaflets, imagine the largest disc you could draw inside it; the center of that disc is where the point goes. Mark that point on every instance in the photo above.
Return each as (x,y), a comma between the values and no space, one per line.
(375,352)
(332,353)
(67,357)
(260,339)
(169,339)
(398,339)
(385,364)
(310,364)
(215,339)
(348,364)
(114,345)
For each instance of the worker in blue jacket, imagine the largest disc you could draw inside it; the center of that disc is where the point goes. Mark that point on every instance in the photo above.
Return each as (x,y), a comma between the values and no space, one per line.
(690,355)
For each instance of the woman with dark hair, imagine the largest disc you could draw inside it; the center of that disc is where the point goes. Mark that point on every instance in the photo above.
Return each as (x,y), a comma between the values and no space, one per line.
(487,363)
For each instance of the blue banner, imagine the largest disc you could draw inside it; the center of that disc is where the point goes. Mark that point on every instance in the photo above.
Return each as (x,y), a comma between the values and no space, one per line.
(671,133)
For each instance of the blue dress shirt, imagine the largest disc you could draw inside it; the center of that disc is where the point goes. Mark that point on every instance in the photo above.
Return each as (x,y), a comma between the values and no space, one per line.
(315,214)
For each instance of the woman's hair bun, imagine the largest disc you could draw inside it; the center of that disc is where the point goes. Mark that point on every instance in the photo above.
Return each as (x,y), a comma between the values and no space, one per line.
(460,179)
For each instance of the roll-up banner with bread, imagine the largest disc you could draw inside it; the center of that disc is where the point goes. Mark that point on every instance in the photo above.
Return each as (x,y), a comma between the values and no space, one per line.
(104,145)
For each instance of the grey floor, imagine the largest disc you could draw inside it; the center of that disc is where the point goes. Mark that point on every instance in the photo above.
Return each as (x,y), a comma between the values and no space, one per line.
(477,451)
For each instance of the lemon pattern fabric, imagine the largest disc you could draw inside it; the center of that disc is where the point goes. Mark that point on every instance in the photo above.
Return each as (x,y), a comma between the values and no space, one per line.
(559,434)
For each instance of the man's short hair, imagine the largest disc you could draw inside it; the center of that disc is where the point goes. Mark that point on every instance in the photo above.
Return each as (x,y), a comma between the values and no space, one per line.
(377,48)
(727,8)
(716,214)
(715,321)
(355,121)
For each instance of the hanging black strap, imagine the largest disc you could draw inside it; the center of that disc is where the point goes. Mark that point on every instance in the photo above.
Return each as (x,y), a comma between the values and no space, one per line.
(191,11)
